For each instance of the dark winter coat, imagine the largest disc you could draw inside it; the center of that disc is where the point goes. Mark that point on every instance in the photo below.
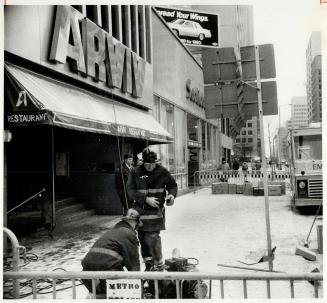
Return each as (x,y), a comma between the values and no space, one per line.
(117,248)
(236,165)
(124,171)
(142,184)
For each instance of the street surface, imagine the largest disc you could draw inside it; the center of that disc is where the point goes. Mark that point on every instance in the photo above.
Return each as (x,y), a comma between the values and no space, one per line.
(211,228)
(225,228)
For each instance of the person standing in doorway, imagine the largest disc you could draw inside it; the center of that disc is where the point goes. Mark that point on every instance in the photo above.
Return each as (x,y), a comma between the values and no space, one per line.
(150,185)
(121,177)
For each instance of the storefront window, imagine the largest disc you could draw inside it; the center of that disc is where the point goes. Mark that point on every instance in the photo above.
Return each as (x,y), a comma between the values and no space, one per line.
(180,140)
(192,127)
(204,144)
(167,121)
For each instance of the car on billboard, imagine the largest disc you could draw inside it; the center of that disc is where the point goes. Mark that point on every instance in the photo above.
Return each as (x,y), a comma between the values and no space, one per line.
(188,28)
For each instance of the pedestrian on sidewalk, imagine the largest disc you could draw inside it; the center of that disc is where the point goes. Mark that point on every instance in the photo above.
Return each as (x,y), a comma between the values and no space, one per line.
(150,185)
(116,249)
(121,177)
(224,166)
(245,170)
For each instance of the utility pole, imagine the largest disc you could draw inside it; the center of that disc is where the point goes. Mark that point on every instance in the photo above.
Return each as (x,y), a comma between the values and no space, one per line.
(272,164)
(263,156)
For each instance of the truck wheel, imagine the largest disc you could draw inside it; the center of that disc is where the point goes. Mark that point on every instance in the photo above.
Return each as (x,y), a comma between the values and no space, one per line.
(201,37)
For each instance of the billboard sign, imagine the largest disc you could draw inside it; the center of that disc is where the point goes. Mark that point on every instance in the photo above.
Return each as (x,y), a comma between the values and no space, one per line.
(192,27)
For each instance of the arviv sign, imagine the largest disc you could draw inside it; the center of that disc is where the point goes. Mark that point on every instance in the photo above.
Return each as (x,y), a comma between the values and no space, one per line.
(94,53)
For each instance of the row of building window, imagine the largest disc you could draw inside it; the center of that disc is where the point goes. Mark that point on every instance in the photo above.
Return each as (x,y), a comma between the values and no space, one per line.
(244,140)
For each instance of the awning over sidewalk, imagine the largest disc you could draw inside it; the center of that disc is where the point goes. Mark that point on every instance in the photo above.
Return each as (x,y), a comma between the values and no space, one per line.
(63,105)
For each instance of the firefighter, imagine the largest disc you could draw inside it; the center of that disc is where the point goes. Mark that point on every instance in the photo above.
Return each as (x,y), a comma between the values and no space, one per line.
(150,185)
(116,249)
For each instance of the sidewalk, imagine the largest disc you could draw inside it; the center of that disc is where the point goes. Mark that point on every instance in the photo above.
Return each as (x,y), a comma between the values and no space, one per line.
(231,226)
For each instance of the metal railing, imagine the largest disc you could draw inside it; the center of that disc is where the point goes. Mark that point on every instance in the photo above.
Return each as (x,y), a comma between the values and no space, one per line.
(314,278)
(15,257)
(25,201)
(181,179)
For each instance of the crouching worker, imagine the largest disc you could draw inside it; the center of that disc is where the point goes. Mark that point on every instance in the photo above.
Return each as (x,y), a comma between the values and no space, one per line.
(116,249)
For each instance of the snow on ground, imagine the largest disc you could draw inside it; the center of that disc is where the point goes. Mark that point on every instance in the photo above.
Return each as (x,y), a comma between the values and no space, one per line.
(225,228)
(212,228)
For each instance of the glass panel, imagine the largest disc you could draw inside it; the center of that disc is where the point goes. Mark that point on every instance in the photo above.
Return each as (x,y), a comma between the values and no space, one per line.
(203,136)
(167,121)
(308,147)
(192,127)
(180,140)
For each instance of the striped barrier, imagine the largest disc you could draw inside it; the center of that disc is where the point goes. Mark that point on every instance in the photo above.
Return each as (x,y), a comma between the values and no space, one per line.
(236,176)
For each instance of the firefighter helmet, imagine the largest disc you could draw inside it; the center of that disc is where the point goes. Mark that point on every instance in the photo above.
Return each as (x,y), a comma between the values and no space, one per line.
(149,156)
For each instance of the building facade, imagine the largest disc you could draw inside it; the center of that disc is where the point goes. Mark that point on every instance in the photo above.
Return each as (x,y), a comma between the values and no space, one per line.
(247,143)
(299,112)
(86,84)
(281,146)
(313,64)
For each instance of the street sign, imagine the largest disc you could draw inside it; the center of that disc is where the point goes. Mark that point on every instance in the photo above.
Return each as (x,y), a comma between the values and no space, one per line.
(269,99)
(223,100)
(219,64)
(267,62)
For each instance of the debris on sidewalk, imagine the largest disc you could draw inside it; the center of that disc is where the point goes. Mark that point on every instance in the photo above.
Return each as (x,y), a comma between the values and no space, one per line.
(305,253)
(255,257)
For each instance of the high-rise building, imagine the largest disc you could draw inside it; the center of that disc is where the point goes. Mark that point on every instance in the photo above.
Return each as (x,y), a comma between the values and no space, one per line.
(299,115)
(282,144)
(247,142)
(313,62)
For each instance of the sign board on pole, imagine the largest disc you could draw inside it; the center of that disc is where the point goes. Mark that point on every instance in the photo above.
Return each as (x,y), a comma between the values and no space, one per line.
(219,64)
(223,100)
(124,289)
(192,27)
(267,62)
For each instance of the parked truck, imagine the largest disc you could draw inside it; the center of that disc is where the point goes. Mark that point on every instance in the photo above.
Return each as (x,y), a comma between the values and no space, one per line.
(306,165)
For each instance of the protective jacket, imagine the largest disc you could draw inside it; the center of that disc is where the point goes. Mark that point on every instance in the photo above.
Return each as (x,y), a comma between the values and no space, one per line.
(115,249)
(157,183)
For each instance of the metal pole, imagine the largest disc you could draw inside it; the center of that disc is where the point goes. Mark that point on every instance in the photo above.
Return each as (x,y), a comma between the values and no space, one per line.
(53,167)
(263,156)
(278,136)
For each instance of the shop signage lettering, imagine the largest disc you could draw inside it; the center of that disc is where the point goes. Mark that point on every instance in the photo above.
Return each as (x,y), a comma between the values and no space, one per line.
(95,53)
(194,94)
(122,129)
(27,118)
(193,144)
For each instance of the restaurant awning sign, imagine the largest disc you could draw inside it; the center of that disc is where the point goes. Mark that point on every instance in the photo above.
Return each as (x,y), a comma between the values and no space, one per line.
(192,27)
